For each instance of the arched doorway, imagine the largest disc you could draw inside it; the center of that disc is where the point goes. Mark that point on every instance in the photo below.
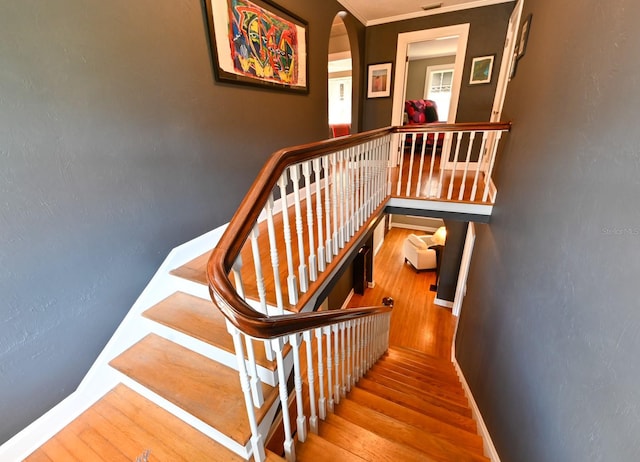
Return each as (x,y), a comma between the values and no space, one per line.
(340,81)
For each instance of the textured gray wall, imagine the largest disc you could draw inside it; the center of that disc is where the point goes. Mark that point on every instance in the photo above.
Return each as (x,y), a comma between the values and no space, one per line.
(488,27)
(548,336)
(116,145)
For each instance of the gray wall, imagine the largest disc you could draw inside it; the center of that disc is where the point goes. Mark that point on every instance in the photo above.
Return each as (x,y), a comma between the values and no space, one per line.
(417,73)
(116,145)
(548,336)
(488,27)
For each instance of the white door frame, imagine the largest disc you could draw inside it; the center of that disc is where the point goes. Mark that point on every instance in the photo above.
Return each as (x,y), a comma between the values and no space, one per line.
(399,88)
(507,61)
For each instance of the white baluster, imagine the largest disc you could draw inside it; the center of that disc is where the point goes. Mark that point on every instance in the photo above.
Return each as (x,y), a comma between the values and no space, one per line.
(492,160)
(341,199)
(302,265)
(311,378)
(256,387)
(424,146)
(237,276)
(322,402)
(389,168)
(472,136)
(358,186)
(336,352)
(292,283)
(271,230)
(410,174)
(322,265)
(262,293)
(404,140)
(313,264)
(455,164)
(289,447)
(343,359)
(327,208)
(327,332)
(257,444)
(301,420)
(335,179)
(349,381)
(432,163)
(351,168)
(444,158)
(481,156)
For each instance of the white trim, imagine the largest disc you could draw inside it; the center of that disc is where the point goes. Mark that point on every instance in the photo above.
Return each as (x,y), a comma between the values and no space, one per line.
(467,253)
(347,300)
(441,206)
(426,229)
(489,448)
(444,303)
(418,14)
(399,88)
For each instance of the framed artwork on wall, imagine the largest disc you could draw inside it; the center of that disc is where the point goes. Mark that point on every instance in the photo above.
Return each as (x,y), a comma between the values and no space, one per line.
(256,42)
(481,69)
(524,37)
(379,80)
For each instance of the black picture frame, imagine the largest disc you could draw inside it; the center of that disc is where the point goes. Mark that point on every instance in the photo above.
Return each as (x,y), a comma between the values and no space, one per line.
(481,69)
(245,57)
(379,78)
(523,37)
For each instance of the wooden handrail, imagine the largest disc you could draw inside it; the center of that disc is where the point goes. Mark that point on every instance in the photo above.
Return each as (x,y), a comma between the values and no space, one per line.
(236,310)
(222,258)
(458,127)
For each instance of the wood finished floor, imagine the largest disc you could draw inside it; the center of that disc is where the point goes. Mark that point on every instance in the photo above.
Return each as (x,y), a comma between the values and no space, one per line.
(416,322)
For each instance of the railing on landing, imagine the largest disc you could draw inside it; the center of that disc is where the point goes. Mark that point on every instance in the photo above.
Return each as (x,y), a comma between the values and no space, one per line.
(316,203)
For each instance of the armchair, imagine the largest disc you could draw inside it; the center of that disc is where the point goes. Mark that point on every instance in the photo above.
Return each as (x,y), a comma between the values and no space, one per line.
(418,253)
(422,111)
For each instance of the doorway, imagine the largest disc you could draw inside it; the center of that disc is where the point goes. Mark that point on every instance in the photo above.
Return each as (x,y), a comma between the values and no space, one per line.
(443,42)
(340,81)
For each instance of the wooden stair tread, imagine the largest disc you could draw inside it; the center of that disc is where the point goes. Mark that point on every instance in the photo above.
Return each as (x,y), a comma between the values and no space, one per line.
(194,270)
(447,391)
(367,444)
(418,404)
(206,389)
(201,319)
(407,354)
(417,370)
(393,429)
(121,426)
(436,427)
(426,394)
(316,448)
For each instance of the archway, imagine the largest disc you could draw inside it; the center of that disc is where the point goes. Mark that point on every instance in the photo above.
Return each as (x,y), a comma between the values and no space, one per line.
(340,78)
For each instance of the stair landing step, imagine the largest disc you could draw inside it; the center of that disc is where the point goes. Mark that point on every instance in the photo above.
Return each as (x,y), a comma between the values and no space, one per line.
(202,387)
(201,319)
(121,426)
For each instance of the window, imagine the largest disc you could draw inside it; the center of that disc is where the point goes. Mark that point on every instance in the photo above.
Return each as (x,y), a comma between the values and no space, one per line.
(439,81)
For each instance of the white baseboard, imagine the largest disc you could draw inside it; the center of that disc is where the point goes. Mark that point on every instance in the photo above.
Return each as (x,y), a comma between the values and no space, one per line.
(489,448)
(347,300)
(445,303)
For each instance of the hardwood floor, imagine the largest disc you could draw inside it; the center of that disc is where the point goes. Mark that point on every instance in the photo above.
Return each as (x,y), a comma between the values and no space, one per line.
(416,322)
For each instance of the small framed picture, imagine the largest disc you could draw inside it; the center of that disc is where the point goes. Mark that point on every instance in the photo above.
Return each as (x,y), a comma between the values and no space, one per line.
(379,80)
(481,69)
(524,37)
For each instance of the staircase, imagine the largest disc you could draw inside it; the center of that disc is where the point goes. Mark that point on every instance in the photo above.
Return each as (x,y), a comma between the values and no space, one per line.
(409,407)
(178,381)
(174,394)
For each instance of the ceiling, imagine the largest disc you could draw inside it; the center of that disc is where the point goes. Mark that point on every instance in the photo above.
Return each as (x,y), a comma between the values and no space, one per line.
(372,12)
